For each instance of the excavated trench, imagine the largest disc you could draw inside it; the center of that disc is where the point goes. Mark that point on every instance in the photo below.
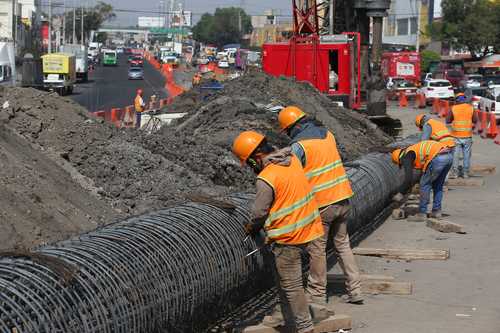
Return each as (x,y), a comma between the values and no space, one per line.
(180,269)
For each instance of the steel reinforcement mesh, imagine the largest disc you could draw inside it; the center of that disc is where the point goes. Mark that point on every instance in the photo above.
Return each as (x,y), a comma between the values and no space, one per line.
(176,270)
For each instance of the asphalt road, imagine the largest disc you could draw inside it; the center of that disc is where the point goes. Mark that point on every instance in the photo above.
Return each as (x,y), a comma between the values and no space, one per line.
(109,87)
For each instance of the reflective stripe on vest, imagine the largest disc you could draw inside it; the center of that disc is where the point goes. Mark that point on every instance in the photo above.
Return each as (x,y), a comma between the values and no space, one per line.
(425,152)
(325,170)
(441,133)
(461,125)
(294,217)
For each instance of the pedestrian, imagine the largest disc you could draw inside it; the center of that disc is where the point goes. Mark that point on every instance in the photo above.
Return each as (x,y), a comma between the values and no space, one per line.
(461,118)
(139,107)
(285,209)
(434,159)
(433,129)
(316,148)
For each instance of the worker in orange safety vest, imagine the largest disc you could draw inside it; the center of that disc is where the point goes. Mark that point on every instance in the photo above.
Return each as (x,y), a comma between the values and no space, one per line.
(433,129)
(316,148)
(139,107)
(461,118)
(286,210)
(434,160)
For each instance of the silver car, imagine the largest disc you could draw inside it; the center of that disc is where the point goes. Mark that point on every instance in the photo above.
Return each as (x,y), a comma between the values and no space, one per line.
(135,73)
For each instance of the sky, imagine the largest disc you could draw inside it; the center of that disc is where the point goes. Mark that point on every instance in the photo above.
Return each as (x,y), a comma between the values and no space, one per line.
(198,7)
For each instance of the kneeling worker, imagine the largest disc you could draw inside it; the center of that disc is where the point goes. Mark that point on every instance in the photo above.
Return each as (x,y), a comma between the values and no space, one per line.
(285,208)
(435,160)
(316,148)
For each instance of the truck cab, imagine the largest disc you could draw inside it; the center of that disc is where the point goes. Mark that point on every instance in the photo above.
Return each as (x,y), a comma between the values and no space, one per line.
(59,72)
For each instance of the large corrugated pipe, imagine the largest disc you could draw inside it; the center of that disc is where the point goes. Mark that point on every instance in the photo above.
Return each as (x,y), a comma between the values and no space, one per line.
(171,271)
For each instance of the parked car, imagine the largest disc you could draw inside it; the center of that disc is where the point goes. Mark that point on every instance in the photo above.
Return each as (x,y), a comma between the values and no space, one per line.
(491,101)
(136,61)
(474,95)
(437,89)
(119,50)
(471,81)
(223,63)
(491,81)
(202,61)
(395,85)
(135,73)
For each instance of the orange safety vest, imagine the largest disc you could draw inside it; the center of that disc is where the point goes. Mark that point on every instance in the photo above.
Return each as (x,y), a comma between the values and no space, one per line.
(441,133)
(294,216)
(138,101)
(325,171)
(425,152)
(461,127)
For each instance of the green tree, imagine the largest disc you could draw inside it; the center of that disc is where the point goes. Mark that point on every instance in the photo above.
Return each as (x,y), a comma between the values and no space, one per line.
(471,24)
(426,57)
(223,27)
(93,19)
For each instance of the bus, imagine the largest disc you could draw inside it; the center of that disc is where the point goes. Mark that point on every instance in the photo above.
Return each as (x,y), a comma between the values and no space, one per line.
(110,58)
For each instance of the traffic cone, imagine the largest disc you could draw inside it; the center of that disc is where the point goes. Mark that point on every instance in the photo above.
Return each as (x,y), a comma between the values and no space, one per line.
(492,130)
(476,127)
(444,109)
(403,100)
(484,124)
(422,101)
(497,139)
(435,106)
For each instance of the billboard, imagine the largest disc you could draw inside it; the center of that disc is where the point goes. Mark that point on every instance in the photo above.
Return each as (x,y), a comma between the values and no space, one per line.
(181,18)
(151,21)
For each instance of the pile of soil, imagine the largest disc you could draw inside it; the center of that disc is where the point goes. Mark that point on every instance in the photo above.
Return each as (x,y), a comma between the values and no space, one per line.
(65,172)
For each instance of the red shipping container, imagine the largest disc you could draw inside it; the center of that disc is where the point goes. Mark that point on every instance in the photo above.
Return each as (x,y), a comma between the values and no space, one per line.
(401,64)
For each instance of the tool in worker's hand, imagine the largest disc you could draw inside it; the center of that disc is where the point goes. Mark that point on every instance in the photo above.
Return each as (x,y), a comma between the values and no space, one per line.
(254,251)
(222,204)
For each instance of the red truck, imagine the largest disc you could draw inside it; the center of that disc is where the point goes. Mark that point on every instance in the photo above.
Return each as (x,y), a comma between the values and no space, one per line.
(401,64)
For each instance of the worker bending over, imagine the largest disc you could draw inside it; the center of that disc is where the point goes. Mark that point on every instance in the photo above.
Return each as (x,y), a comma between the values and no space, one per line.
(435,130)
(139,108)
(316,149)
(285,208)
(434,159)
(461,118)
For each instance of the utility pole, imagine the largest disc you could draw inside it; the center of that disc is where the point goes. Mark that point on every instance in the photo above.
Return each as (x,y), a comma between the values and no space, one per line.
(14,23)
(418,3)
(49,50)
(64,23)
(331,13)
(74,22)
(82,35)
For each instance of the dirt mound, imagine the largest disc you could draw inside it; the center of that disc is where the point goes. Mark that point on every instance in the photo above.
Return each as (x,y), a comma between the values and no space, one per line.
(201,141)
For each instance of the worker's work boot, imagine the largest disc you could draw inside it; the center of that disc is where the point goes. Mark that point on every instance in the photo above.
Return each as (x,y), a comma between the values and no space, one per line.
(437,215)
(420,217)
(276,318)
(466,175)
(318,308)
(353,298)
(452,175)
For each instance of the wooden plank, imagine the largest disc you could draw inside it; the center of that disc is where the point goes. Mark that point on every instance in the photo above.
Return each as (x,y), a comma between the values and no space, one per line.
(483,170)
(404,254)
(333,278)
(469,182)
(386,287)
(445,226)
(332,324)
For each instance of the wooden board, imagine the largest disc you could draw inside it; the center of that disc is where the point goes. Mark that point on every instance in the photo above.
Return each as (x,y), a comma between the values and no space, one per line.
(404,254)
(444,226)
(483,170)
(469,182)
(332,324)
(375,284)
(333,278)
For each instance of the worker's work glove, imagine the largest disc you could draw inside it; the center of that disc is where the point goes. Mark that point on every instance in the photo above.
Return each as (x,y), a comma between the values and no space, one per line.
(251,229)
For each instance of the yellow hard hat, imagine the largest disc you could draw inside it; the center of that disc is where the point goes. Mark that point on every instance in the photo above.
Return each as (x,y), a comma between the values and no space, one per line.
(245,144)
(289,116)
(418,120)
(396,156)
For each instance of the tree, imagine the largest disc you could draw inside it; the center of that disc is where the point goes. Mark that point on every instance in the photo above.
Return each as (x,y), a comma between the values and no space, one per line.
(471,24)
(426,57)
(93,19)
(223,27)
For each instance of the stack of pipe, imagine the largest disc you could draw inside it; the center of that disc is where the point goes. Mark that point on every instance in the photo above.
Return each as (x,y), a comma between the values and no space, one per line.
(172,271)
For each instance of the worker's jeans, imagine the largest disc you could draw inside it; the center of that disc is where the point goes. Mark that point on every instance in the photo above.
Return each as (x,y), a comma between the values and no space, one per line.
(463,146)
(293,299)
(138,116)
(336,216)
(433,179)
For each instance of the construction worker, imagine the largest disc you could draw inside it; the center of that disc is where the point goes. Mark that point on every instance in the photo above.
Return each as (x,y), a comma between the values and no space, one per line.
(433,129)
(285,209)
(316,148)
(139,107)
(434,159)
(196,79)
(461,118)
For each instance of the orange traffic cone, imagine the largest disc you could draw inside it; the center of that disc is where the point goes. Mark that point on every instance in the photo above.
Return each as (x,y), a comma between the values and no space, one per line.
(435,106)
(403,100)
(492,130)
(484,124)
(444,109)
(497,139)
